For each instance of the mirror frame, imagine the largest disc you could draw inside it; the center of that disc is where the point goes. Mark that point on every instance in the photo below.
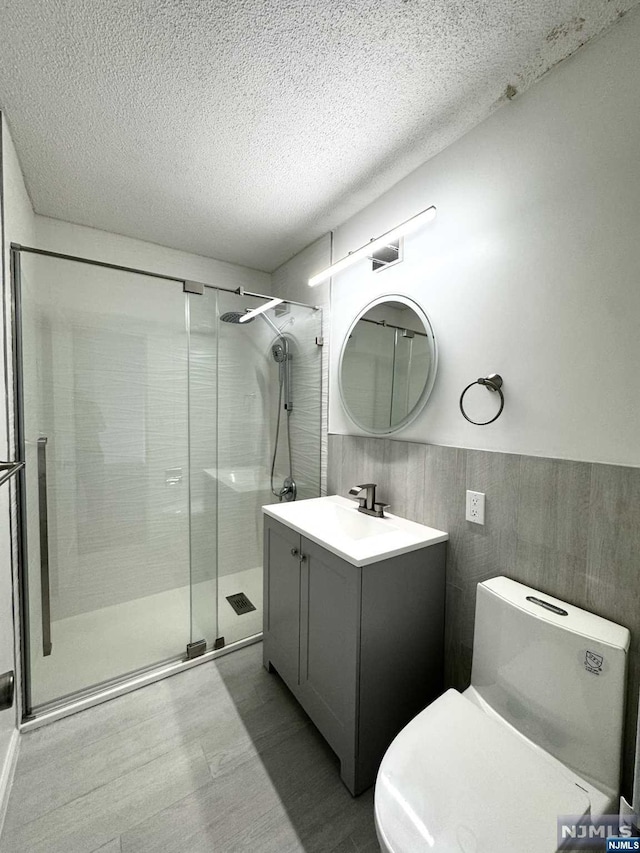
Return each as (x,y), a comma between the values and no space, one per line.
(431,377)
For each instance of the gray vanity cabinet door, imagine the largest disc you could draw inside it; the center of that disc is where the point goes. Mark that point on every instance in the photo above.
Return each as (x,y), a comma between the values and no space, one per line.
(329,641)
(282,601)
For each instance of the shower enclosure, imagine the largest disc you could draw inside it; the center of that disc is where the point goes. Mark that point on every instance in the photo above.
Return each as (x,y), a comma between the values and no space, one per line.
(152,433)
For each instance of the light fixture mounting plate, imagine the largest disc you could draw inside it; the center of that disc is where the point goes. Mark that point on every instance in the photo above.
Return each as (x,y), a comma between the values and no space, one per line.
(387,255)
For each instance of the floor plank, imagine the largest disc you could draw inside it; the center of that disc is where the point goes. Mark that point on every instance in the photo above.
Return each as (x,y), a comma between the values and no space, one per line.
(93,819)
(112,847)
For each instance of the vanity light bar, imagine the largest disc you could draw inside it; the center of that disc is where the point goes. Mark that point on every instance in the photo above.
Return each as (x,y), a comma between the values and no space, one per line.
(427,215)
(256,311)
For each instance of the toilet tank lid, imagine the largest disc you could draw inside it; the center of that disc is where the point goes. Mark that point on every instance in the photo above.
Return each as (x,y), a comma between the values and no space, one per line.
(558,612)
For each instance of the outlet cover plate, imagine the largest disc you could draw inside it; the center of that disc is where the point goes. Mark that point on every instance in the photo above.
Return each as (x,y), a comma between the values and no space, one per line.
(475,507)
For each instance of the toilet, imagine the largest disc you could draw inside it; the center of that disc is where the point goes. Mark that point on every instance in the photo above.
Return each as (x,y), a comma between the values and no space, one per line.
(537,735)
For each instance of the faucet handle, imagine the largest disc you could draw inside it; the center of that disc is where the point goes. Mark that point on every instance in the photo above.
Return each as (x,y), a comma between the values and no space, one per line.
(380,507)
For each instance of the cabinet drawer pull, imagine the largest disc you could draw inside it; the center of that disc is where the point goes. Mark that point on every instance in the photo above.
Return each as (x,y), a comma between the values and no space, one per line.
(303,558)
(294,552)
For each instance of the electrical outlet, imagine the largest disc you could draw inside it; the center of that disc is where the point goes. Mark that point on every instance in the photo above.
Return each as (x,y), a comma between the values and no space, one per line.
(475,507)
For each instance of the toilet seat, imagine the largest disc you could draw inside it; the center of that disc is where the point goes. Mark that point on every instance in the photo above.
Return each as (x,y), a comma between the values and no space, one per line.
(456,780)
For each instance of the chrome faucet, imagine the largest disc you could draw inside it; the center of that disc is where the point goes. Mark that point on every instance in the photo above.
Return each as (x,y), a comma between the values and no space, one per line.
(368,504)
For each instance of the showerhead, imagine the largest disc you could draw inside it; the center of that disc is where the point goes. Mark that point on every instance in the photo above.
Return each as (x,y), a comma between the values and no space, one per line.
(234,317)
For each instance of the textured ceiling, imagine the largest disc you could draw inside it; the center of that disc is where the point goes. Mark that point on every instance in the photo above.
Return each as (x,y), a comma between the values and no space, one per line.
(245,129)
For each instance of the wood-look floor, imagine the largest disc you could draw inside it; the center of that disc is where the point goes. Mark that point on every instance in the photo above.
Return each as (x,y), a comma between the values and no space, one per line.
(219,758)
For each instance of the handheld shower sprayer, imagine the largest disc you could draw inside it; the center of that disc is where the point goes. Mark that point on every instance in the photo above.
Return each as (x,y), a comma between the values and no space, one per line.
(281,355)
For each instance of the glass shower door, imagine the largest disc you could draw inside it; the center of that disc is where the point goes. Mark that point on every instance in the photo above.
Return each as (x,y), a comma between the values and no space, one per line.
(203,461)
(105,410)
(247,394)
(155,426)
(240,433)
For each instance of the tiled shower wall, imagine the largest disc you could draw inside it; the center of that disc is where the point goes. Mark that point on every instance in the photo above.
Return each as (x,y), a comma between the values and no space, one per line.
(569,529)
(290,282)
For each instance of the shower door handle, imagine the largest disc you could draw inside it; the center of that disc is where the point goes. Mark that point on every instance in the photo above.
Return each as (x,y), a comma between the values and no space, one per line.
(8,469)
(45,592)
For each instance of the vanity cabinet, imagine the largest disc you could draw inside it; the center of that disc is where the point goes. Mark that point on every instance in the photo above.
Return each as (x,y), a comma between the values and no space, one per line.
(360,647)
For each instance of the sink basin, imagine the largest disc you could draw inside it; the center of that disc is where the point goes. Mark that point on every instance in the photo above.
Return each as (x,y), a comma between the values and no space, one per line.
(335,523)
(354,525)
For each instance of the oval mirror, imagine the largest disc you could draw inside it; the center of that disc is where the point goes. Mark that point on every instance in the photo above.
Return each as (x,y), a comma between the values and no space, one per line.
(387,365)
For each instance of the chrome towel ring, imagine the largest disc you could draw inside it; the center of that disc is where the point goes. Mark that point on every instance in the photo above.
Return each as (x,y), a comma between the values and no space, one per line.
(494,383)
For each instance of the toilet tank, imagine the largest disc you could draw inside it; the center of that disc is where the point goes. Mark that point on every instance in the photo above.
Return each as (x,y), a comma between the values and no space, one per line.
(554,672)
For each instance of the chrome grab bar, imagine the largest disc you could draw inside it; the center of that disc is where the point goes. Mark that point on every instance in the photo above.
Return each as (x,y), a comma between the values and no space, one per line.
(8,469)
(44,546)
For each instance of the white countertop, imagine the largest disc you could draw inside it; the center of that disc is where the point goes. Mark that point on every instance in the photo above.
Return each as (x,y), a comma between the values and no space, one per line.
(335,523)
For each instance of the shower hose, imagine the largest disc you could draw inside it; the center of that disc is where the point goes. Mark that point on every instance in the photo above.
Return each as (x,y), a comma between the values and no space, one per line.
(279,494)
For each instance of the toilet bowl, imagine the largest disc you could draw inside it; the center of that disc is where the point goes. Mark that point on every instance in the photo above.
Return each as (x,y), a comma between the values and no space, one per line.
(536,736)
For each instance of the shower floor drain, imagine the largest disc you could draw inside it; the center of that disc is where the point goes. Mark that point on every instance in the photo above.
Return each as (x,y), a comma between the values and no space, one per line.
(240,603)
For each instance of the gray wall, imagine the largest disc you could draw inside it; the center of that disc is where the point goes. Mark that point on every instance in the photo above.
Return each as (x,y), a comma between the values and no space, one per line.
(569,529)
